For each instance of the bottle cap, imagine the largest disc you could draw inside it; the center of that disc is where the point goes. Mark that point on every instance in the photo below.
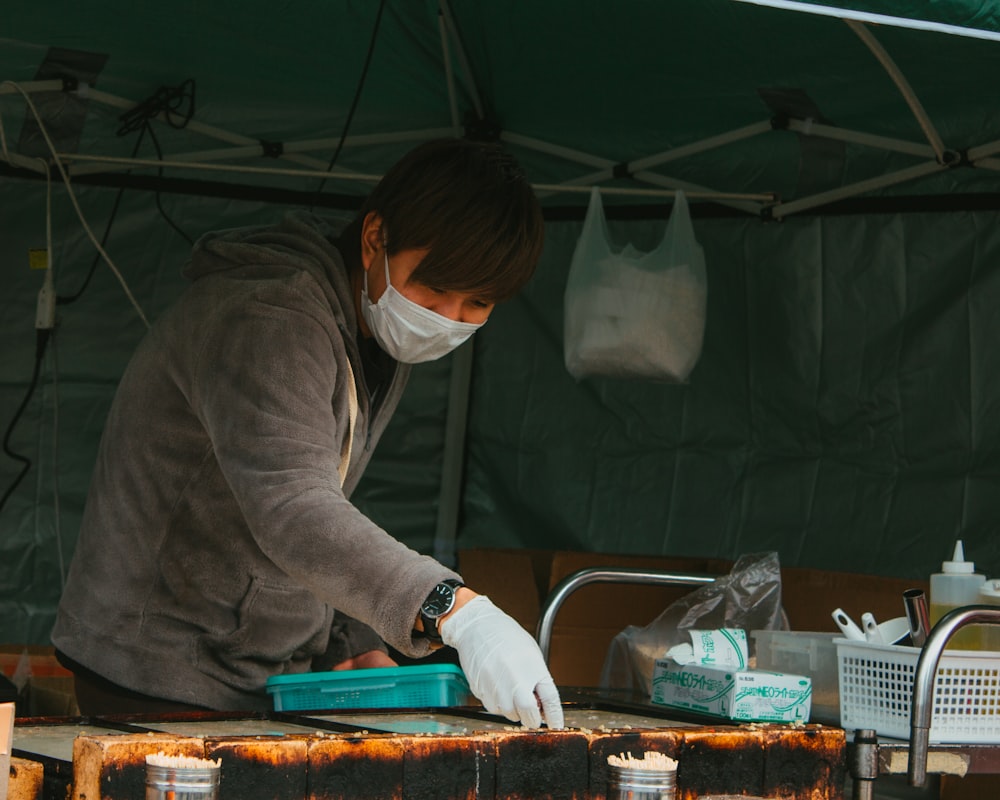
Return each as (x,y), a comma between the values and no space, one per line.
(958,564)
(989,592)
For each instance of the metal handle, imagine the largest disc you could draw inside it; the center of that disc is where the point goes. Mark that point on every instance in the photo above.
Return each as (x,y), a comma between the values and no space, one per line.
(584,577)
(922,707)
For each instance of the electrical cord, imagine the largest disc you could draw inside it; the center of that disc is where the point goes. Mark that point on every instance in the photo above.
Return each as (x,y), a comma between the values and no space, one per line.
(169,103)
(357,94)
(14,158)
(41,341)
(159,172)
(44,324)
(176,105)
(72,298)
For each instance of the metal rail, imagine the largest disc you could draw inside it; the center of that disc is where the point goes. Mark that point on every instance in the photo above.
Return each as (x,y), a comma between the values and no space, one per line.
(585,577)
(922,707)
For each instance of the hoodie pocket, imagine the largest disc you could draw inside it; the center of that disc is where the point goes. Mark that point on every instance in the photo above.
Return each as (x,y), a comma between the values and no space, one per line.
(280,628)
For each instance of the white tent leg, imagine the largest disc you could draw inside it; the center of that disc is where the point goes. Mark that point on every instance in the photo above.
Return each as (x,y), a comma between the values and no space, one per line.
(453,462)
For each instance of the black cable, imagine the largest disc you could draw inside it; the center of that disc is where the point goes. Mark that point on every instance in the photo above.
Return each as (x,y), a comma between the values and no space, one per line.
(176,103)
(41,341)
(177,106)
(72,298)
(159,196)
(357,94)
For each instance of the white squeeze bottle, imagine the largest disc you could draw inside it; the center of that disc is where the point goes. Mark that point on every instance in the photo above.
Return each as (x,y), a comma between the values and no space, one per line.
(957,584)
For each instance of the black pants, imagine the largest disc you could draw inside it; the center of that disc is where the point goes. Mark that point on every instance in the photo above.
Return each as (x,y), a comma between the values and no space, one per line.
(96,695)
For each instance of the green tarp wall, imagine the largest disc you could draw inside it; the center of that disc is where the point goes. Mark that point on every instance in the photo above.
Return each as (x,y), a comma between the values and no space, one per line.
(846,408)
(844,412)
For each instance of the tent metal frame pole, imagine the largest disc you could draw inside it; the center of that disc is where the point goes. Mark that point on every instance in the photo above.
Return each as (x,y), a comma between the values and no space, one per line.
(897,77)
(810,128)
(585,181)
(122,163)
(463,59)
(246,146)
(878,19)
(53,85)
(194,126)
(977,154)
(701,146)
(257,150)
(606,171)
(460,385)
(449,75)
(694,189)
(127,163)
(781,210)
(453,458)
(558,150)
(691,191)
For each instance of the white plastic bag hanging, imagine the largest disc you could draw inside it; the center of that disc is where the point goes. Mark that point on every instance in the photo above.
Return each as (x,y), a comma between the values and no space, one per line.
(630,314)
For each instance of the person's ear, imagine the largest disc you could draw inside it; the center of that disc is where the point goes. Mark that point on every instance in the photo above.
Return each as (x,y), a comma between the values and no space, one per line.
(371,238)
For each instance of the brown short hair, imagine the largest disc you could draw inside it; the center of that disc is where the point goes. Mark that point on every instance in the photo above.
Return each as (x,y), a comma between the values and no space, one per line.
(470,205)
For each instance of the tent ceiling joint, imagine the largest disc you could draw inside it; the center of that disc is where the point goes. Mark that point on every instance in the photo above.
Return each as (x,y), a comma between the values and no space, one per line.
(482,128)
(627,173)
(272,149)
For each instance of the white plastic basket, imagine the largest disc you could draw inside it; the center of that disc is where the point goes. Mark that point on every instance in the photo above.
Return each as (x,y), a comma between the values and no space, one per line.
(876,691)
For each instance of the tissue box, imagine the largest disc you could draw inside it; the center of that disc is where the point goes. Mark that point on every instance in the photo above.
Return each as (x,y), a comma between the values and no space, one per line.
(805,653)
(748,695)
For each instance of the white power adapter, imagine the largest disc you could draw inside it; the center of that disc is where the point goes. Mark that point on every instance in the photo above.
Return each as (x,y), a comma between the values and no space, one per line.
(45,310)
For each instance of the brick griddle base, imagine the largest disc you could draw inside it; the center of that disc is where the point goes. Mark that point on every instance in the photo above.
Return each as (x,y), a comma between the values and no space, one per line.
(792,762)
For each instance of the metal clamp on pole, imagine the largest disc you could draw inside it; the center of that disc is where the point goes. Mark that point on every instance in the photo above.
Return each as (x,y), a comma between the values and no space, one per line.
(585,577)
(922,707)
(863,764)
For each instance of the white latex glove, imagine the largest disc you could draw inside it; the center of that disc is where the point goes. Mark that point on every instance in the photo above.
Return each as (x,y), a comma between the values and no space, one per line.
(504,666)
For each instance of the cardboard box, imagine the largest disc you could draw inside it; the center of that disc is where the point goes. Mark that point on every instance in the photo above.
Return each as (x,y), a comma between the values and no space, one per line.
(519,581)
(747,695)
(45,686)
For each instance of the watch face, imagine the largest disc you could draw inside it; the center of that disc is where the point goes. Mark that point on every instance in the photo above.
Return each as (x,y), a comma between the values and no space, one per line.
(439,602)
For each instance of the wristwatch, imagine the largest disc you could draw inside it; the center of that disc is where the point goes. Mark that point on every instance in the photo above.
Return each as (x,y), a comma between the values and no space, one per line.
(438,603)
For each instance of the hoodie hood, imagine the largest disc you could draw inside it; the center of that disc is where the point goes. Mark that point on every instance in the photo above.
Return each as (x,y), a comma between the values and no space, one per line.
(301,242)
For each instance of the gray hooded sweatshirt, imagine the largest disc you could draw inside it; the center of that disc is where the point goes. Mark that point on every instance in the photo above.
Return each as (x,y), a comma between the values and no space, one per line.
(217,547)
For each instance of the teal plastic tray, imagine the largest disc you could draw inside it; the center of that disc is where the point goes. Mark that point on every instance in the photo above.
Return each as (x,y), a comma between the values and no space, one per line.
(418,686)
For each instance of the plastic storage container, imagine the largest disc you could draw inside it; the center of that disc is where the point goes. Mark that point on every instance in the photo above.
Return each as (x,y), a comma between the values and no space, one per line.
(956,585)
(418,686)
(989,595)
(876,691)
(804,653)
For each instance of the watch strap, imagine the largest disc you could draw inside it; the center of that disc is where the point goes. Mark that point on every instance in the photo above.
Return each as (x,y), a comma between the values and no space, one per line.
(429,622)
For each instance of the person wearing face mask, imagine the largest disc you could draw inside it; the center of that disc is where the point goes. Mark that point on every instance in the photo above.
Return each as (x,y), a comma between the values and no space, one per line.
(219,546)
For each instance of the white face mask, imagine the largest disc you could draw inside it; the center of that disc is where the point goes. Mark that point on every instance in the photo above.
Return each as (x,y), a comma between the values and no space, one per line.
(406,330)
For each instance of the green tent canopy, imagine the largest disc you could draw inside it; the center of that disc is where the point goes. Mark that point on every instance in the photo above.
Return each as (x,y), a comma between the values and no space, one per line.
(841,161)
